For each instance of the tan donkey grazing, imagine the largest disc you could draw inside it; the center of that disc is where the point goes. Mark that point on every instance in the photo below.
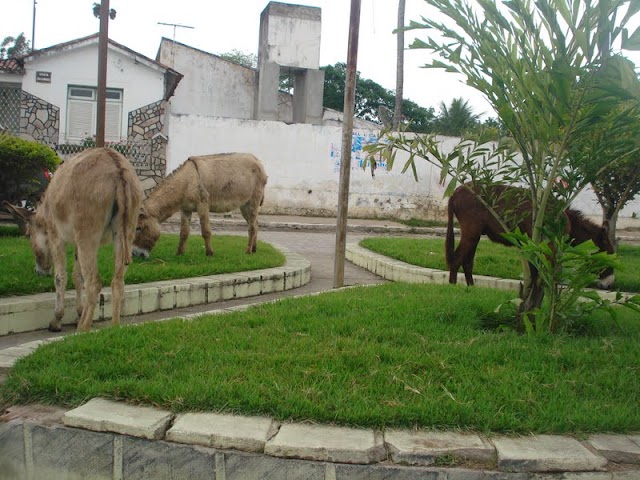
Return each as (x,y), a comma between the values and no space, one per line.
(209,183)
(93,198)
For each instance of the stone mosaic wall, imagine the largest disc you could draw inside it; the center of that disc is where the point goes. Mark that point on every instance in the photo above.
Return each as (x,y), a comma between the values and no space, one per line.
(145,129)
(39,119)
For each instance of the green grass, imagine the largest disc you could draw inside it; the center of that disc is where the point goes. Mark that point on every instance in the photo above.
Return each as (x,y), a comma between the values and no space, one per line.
(18,277)
(491,258)
(394,355)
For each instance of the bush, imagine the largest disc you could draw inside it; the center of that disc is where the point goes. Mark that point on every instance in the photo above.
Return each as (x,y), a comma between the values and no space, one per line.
(25,167)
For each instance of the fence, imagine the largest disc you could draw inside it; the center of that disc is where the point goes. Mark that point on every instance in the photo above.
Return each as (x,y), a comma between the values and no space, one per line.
(137,152)
(10,108)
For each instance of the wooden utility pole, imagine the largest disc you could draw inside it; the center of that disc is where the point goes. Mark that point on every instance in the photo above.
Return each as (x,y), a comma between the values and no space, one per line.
(103,45)
(347,134)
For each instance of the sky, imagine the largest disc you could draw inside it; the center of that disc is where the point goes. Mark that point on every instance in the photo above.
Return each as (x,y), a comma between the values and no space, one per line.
(220,26)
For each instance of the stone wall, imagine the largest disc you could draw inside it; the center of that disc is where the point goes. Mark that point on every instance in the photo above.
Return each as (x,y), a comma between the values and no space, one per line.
(148,144)
(39,120)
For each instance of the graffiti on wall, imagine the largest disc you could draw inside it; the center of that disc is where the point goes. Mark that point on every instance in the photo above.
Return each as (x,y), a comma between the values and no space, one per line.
(359,140)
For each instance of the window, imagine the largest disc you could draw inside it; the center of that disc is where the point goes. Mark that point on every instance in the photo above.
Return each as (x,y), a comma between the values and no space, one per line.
(82,110)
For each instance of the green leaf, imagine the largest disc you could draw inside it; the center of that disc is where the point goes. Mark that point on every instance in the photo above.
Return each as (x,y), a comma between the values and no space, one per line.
(631,42)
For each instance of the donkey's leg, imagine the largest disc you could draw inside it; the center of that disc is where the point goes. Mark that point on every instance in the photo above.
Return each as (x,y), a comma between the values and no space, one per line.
(59,257)
(467,262)
(459,256)
(205,226)
(117,284)
(78,283)
(250,214)
(87,251)
(185,228)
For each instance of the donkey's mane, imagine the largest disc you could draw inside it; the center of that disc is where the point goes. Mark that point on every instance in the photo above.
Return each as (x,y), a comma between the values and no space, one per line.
(580,217)
(169,178)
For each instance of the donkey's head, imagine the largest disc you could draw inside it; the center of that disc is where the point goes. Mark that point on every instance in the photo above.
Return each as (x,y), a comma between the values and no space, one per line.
(602,240)
(33,225)
(147,234)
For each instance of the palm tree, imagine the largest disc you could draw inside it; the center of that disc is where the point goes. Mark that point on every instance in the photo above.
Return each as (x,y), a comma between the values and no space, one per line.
(456,119)
(397,113)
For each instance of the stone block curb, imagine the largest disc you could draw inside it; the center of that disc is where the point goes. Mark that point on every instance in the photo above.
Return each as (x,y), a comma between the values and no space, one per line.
(327,444)
(617,448)
(545,453)
(149,441)
(101,415)
(410,447)
(248,434)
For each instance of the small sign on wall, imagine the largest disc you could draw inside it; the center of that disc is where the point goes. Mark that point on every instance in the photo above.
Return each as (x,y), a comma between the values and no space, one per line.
(43,77)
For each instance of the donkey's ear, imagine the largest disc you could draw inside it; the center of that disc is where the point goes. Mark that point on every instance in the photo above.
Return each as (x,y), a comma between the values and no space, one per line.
(18,213)
(22,216)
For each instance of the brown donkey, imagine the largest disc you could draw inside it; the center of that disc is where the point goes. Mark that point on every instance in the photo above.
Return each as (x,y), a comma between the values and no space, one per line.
(209,183)
(476,220)
(93,198)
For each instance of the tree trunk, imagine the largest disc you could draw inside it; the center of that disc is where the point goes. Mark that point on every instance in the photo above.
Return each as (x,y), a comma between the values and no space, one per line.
(610,222)
(397,112)
(531,296)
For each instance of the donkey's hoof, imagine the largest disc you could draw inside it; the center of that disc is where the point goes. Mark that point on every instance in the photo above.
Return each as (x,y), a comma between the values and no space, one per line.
(54,328)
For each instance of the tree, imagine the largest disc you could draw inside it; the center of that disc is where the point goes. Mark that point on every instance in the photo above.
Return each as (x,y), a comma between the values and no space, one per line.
(12,47)
(614,188)
(249,60)
(24,169)
(546,69)
(369,97)
(456,119)
(617,140)
(397,112)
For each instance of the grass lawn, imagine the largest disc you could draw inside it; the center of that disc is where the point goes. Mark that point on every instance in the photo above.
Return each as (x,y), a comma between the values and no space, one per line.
(393,355)
(17,262)
(491,258)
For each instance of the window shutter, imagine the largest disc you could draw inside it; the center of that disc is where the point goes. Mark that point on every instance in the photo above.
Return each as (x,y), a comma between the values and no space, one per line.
(112,122)
(80,120)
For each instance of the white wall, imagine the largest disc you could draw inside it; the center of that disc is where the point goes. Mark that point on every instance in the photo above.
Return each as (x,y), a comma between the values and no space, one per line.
(142,85)
(294,42)
(302,162)
(211,85)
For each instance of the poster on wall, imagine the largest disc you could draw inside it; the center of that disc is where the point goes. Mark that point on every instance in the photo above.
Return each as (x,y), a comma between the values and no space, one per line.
(359,140)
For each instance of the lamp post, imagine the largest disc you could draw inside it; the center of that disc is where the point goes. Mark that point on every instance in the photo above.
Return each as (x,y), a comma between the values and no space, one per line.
(33,27)
(103,45)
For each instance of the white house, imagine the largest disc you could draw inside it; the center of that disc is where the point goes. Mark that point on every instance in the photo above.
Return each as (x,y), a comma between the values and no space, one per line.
(49,95)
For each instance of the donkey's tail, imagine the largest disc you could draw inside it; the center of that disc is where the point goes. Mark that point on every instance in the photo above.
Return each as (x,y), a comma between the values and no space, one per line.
(450,239)
(128,200)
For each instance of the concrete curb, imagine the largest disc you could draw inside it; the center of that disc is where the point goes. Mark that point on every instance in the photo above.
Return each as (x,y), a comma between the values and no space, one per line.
(398,271)
(33,312)
(113,443)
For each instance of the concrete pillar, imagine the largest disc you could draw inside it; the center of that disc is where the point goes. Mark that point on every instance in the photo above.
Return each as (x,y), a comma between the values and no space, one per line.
(290,38)
(307,96)
(266,100)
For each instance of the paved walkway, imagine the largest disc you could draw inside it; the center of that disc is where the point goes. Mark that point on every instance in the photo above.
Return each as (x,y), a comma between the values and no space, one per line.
(310,451)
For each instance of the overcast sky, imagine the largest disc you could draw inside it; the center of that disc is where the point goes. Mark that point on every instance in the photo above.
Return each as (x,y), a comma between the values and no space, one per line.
(221,26)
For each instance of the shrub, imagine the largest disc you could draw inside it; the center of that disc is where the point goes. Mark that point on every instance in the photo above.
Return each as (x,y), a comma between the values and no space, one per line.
(24,168)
